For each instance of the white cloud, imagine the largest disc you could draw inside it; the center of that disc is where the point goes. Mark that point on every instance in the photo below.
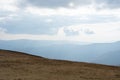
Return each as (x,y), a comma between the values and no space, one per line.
(8,5)
(1,19)
(7,17)
(48,20)
(77,11)
(100,32)
(106,32)
(85,12)
(8,9)
(2,30)
(60,11)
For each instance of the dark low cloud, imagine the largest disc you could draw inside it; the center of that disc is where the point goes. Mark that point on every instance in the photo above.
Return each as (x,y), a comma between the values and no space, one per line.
(65,3)
(29,25)
(49,3)
(88,31)
(56,3)
(71,32)
(109,3)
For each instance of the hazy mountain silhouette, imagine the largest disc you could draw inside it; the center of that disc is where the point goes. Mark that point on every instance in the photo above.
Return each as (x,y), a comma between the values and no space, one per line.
(67,51)
(109,58)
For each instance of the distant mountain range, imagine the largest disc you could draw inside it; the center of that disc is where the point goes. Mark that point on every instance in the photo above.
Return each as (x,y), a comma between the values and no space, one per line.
(102,53)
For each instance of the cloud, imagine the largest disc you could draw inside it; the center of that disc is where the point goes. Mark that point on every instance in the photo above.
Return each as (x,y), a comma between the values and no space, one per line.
(88,31)
(8,9)
(70,32)
(78,11)
(30,24)
(61,11)
(2,30)
(9,5)
(57,3)
(88,9)
(112,4)
(80,20)
(76,30)
(73,3)
(106,32)
(48,20)
(6,17)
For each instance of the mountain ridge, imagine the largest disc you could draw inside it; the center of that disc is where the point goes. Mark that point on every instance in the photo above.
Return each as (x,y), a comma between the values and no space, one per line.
(56,50)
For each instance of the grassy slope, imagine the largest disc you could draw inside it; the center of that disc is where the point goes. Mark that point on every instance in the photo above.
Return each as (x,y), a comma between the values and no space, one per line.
(21,66)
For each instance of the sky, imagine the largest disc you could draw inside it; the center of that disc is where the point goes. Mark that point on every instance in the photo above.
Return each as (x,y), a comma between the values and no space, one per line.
(93,21)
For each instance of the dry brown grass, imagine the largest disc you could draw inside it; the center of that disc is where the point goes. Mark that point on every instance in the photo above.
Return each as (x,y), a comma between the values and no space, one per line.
(20,66)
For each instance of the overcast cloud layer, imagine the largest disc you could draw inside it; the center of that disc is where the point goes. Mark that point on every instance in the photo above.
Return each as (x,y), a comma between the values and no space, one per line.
(66,3)
(71,20)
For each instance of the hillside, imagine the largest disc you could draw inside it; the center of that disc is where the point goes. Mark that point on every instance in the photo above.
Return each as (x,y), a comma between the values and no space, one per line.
(22,66)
